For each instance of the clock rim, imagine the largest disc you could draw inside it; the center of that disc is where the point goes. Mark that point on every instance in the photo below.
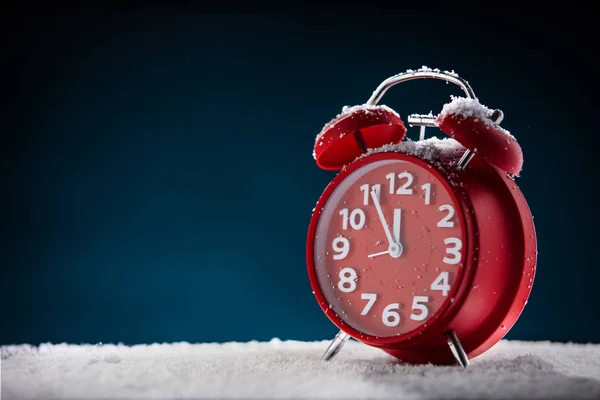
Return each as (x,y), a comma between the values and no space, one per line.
(446,312)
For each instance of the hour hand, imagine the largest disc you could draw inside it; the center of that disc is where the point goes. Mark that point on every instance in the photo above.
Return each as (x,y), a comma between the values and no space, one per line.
(396,224)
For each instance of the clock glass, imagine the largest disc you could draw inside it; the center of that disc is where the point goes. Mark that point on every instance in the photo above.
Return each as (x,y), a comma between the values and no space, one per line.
(389,247)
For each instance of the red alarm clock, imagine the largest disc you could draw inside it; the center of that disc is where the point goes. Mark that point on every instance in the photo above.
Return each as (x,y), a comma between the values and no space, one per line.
(425,249)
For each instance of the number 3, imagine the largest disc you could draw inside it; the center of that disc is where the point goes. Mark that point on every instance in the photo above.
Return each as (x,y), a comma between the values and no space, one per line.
(453,251)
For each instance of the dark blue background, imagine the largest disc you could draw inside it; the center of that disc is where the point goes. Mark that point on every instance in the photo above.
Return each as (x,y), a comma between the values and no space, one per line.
(157,177)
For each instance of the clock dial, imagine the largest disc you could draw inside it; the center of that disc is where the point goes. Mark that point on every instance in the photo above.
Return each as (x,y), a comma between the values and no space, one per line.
(388,247)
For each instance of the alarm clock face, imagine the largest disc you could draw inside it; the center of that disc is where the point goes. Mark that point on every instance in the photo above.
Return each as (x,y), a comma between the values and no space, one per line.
(389,247)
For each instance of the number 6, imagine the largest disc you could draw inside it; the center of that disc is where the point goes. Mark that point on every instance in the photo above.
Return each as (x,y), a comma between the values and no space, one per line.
(389,316)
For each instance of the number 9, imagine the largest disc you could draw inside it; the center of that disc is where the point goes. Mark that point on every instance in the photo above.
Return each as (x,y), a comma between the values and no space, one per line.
(340,245)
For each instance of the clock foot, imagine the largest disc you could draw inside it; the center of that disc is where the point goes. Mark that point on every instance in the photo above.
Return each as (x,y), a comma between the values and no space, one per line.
(336,345)
(465,159)
(456,348)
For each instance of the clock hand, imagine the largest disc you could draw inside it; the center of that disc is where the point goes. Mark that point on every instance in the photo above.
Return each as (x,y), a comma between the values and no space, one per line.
(378,254)
(396,227)
(394,248)
(396,224)
(386,228)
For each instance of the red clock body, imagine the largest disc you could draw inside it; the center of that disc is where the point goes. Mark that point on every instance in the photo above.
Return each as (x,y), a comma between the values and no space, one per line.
(402,249)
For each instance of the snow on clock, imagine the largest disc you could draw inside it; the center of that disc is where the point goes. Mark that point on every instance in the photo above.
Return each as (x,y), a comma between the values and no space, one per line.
(425,249)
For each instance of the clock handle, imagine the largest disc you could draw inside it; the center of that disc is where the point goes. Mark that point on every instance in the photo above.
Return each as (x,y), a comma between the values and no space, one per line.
(429,120)
(423,73)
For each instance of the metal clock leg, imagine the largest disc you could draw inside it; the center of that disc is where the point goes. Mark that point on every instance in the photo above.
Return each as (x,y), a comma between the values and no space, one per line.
(456,348)
(336,345)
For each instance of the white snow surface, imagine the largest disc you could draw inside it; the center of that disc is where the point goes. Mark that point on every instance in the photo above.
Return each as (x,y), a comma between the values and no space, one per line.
(292,369)
(432,149)
(467,108)
(366,108)
(462,106)
(425,68)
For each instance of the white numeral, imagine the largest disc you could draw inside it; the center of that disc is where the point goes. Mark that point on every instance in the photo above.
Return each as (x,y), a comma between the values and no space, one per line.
(419,305)
(427,188)
(404,188)
(392,178)
(389,316)
(347,281)
(445,222)
(441,283)
(340,245)
(357,218)
(371,297)
(453,251)
(367,192)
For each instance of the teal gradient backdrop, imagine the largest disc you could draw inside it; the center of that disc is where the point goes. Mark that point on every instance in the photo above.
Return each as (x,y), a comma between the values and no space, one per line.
(157,176)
